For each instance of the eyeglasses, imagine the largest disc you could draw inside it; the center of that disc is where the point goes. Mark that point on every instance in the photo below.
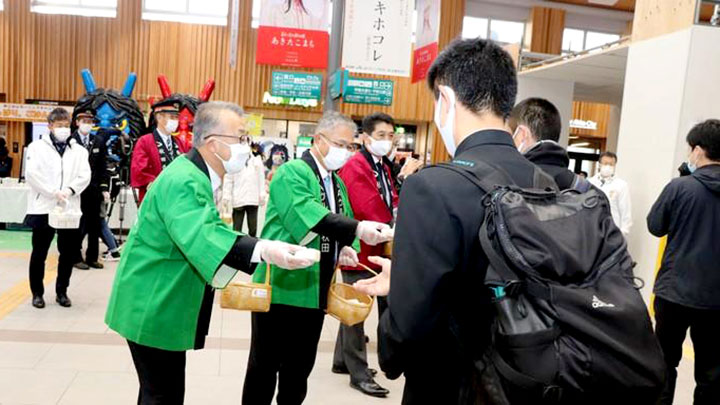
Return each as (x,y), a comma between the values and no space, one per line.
(349,147)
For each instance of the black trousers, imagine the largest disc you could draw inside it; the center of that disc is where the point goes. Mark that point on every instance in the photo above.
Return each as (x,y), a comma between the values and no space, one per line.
(161,374)
(252,215)
(90,225)
(67,244)
(350,346)
(283,349)
(672,322)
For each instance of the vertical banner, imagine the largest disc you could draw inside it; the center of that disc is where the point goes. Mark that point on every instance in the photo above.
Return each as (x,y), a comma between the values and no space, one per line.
(293,33)
(427,36)
(378,36)
(234,26)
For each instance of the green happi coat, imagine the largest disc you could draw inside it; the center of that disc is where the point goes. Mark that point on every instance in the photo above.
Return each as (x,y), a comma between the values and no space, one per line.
(294,208)
(172,254)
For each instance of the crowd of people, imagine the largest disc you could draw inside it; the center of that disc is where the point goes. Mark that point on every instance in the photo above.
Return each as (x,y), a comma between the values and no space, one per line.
(343,198)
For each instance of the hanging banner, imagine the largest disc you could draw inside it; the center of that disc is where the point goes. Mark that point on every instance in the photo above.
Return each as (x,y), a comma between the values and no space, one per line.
(377,36)
(253,124)
(296,85)
(28,112)
(427,35)
(293,33)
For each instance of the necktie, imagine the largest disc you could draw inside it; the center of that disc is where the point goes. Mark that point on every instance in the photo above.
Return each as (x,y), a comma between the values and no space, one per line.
(383,183)
(327,182)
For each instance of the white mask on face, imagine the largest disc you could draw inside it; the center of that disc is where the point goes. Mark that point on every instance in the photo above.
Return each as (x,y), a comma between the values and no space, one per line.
(607,170)
(61,133)
(448,130)
(379,148)
(522,144)
(85,128)
(336,158)
(239,154)
(392,154)
(171,126)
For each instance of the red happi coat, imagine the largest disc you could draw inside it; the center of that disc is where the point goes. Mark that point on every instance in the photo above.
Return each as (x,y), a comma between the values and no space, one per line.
(367,203)
(146,165)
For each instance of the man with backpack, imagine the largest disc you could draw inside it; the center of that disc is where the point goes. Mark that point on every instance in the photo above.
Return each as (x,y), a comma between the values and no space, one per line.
(536,126)
(440,329)
(687,284)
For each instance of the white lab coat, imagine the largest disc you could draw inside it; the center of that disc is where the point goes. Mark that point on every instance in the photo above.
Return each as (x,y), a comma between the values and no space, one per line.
(618,193)
(47,172)
(247,187)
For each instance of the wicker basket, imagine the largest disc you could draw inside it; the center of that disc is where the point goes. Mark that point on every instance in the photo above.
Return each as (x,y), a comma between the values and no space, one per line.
(254,297)
(387,249)
(61,218)
(346,304)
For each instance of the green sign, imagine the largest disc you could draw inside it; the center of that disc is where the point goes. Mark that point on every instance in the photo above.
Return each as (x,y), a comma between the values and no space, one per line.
(296,85)
(335,84)
(358,90)
(304,141)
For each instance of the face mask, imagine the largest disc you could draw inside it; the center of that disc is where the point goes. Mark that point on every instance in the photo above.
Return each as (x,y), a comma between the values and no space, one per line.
(690,165)
(607,170)
(448,130)
(239,154)
(379,148)
(522,144)
(392,154)
(61,134)
(85,128)
(336,158)
(171,126)
(278,160)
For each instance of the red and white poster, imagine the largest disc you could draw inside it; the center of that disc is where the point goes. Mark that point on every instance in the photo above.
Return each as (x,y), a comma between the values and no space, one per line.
(426,42)
(293,33)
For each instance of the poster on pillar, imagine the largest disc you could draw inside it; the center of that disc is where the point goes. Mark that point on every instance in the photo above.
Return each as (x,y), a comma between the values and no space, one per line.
(426,39)
(378,36)
(293,33)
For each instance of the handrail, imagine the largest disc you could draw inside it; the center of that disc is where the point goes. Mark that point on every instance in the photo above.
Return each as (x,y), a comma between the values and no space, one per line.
(570,55)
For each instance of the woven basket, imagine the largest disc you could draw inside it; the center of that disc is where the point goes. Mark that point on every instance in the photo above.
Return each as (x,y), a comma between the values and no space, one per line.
(387,249)
(254,297)
(60,218)
(346,304)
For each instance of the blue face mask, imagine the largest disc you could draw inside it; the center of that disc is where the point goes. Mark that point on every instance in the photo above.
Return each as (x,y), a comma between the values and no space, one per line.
(691,166)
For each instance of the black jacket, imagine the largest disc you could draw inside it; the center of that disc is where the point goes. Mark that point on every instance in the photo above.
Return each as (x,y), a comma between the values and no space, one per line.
(97,155)
(687,212)
(437,276)
(554,160)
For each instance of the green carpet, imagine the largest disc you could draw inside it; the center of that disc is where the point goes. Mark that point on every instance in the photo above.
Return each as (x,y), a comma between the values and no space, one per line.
(16,241)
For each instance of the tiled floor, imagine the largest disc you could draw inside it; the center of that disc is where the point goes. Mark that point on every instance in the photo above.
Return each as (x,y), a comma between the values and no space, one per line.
(69,357)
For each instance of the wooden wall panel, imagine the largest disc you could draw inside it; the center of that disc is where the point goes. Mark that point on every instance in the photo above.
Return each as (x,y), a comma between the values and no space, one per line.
(596,112)
(41,57)
(657,17)
(545,28)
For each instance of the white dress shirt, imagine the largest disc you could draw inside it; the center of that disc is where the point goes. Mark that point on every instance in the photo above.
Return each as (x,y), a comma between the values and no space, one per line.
(618,193)
(327,178)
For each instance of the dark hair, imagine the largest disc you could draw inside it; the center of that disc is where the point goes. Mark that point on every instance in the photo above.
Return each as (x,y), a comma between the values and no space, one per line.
(176,100)
(541,116)
(480,72)
(707,136)
(58,114)
(608,154)
(279,148)
(289,5)
(370,121)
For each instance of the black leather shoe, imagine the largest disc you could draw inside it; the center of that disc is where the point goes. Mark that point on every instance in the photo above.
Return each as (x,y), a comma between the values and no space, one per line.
(38,301)
(370,388)
(63,300)
(96,265)
(81,266)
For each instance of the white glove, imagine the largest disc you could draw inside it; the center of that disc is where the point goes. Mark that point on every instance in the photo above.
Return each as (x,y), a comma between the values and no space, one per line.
(106,196)
(285,255)
(371,232)
(62,195)
(348,257)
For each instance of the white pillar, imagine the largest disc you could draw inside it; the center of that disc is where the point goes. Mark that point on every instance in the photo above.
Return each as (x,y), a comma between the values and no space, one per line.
(613,128)
(558,92)
(671,84)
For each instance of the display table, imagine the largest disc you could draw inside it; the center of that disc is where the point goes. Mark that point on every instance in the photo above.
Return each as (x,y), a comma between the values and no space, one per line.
(13,202)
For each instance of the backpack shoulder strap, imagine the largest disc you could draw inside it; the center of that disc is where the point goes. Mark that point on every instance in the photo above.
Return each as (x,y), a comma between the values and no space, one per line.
(485,176)
(543,181)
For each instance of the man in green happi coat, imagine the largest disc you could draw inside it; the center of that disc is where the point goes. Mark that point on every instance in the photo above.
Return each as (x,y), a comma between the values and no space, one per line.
(179,251)
(309,206)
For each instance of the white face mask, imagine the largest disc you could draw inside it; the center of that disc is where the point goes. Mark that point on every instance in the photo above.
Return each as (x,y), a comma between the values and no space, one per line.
(607,170)
(61,134)
(85,128)
(336,158)
(239,154)
(171,126)
(379,148)
(522,144)
(448,130)
(392,154)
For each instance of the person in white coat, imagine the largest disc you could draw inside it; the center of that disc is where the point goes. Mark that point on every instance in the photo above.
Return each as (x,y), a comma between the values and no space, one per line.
(57,171)
(617,192)
(246,191)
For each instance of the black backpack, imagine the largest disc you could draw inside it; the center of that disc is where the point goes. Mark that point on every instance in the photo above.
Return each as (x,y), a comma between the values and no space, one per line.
(570,325)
